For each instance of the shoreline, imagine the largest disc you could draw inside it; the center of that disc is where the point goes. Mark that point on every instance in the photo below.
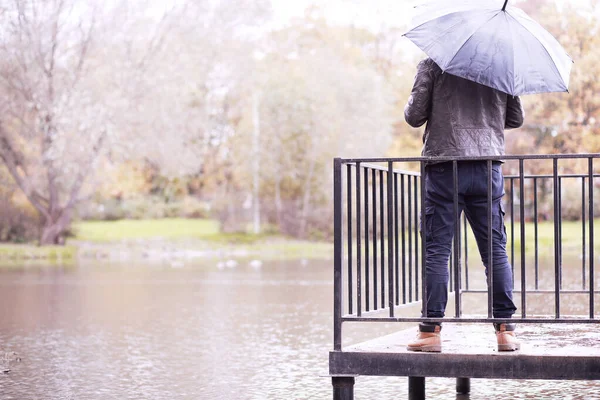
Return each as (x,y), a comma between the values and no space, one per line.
(153,250)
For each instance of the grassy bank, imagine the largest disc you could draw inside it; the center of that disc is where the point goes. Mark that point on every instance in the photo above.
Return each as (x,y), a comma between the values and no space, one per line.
(168,229)
(16,254)
(146,238)
(165,238)
(571,235)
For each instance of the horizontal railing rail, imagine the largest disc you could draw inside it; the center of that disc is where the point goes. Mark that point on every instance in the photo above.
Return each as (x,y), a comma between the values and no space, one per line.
(379,252)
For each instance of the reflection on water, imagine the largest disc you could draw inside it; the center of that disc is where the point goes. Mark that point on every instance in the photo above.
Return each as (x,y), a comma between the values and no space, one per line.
(198,332)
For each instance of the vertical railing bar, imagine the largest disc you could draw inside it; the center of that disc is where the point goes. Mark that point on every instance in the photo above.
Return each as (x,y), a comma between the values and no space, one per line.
(374,198)
(522,220)
(457,305)
(466,258)
(459,261)
(416,223)
(451,267)
(367,304)
(424,242)
(390,236)
(535,232)
(583,255)
(358,245)
(556,238)
(560,272)
(349,227)
(382,239)
(403,233)
(392,212)
(591,231)
(410,254)
(338,254)
(490,275)
(396,252)
(512,227)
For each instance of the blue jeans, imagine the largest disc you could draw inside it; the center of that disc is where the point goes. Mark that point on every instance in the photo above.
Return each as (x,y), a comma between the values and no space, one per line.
(440,228)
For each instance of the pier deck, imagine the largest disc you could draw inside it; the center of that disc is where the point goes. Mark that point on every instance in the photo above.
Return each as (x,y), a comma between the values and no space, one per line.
(558,352)
(380,250)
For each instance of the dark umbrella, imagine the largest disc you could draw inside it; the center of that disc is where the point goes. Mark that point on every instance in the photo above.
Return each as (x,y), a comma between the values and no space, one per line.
(492,43)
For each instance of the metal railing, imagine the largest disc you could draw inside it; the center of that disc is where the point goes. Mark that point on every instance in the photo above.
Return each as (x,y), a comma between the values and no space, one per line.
(379,252)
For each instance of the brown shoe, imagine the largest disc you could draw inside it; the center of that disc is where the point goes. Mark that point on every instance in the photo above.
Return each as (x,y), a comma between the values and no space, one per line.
(429,339)
(507,340)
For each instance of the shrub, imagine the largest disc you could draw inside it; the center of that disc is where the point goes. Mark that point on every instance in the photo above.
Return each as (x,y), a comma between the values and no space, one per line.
(146,207)
(18,224)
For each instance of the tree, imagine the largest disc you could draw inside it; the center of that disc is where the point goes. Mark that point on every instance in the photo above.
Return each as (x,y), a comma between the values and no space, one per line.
(70,71)
(566,122)
(51,128)
(183,113)
(320,98)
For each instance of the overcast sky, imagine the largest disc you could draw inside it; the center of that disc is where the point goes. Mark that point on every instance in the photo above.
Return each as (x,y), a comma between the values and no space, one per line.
(370,14)
(373,14)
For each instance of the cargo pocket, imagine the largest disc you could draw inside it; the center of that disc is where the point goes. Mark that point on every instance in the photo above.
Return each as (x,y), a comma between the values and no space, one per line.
(429,215)
(500,224)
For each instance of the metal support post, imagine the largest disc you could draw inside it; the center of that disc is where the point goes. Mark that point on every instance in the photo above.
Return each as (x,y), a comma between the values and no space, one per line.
(416,388)
(343,387)
(463,385)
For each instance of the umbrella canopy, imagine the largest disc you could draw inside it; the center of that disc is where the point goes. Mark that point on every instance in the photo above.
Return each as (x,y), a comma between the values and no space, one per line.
(492,43)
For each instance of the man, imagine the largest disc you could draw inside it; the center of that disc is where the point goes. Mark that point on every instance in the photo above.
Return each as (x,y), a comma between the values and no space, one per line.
(463,118)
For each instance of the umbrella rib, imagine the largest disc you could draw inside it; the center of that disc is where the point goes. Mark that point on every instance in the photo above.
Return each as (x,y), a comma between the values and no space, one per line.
(513,54)
(428,21)
(553,63)
(437,17)
(470,37)
(442,34)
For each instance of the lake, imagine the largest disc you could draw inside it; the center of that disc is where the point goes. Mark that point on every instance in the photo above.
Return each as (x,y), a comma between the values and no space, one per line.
(198,331)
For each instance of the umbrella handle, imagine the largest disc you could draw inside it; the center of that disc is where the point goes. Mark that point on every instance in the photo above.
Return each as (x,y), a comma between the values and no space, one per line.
(504,7)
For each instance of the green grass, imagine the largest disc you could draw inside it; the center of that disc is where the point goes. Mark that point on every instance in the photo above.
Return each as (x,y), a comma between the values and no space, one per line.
(571,235)
(235,238)
(208,230)
(571,239)
(168,228)
(288,249)
(47,254)
(206,233)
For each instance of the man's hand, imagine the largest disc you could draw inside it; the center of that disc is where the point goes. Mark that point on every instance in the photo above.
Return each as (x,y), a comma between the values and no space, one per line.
(514,113)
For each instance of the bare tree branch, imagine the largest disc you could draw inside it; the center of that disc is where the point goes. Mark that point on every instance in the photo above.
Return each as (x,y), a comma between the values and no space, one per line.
(12,160)
(41,70)
(84,172)
(157,40)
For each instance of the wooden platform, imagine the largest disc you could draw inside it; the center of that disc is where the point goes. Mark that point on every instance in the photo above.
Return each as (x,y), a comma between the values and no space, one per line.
(560,351)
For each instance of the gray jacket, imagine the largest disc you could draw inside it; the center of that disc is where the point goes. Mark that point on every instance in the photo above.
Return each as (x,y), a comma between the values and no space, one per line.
(463,118)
